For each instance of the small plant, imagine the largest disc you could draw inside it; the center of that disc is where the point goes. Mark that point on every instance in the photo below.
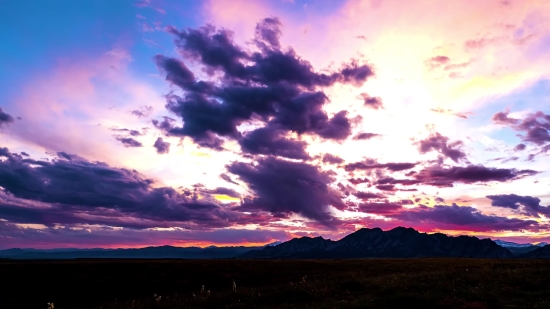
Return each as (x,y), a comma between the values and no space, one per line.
(50,306)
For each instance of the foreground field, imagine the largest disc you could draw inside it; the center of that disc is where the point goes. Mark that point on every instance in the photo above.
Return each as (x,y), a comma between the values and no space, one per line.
(361,283)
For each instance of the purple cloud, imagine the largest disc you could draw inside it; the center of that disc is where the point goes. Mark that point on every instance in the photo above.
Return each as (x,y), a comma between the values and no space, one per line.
(519,147)
(372,102)
(527,204)
(275,88)
(440,143)
(72,190)
(463,217)
(364,135)
(162,146)
(536,126)
(445,177)
(394,167)
(5,118)
(272,141)
(129,142)
(332,159)
(282,186)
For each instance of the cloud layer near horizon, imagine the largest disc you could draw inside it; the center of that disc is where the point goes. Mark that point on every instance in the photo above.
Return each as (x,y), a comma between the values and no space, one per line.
(248,133)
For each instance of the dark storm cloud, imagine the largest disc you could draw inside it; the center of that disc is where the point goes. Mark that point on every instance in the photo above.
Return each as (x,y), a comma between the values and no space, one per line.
(394,167)
(272,141)
(364,135)
(129,142)
(332,159)
(527,204)
(78,191)
(282,186)
(5,118)
(161,146)
(440,143)
(275,88)
(372,102)
(445,177)
(454,216)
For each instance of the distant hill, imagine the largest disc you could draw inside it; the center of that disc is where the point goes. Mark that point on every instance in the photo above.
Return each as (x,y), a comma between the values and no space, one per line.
(163,252)
(519,249)
(396,243)
(540,253)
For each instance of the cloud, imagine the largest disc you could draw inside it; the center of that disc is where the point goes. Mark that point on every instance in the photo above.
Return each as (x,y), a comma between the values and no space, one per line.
(450,112)
(162,146)
(437,61)
(281,186)
(129,142)
(72,190)
(456,217)
(384,208)
(272,141)
(332,159)
(394,167)
(536,125)
(445,177)
(502,118)
(143,111)
(5,118)
(440,143)
(368,195)
(519,147)
(364,135)
(527,204)
(275,88)
(372,102)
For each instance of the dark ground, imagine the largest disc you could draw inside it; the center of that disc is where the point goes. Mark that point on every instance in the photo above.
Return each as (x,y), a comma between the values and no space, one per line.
(360,283)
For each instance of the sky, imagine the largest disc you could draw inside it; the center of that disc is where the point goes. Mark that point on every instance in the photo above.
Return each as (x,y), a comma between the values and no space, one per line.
(196,123)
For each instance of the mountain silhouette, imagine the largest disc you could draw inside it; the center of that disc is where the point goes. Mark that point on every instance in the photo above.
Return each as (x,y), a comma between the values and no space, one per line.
(399,242)
(540,253)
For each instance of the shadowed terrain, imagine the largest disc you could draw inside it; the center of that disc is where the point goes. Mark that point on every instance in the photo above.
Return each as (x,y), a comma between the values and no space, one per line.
(354,283)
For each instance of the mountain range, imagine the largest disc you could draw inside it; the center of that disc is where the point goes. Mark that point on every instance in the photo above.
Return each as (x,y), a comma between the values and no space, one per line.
(399,242)
(519,249)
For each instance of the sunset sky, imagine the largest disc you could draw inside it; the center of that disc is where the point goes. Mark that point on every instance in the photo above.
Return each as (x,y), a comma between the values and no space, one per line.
(192,123)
